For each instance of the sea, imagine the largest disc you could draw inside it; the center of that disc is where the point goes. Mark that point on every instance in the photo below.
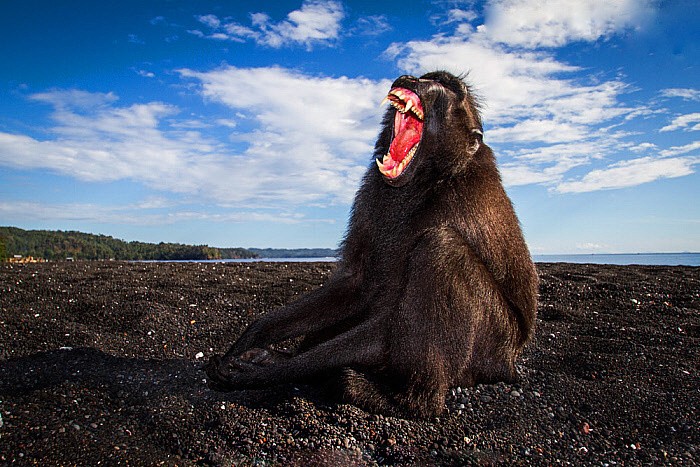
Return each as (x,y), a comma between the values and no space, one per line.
(649,259)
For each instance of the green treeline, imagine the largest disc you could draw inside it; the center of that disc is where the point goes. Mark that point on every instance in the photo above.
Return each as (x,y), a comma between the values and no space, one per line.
(59,245)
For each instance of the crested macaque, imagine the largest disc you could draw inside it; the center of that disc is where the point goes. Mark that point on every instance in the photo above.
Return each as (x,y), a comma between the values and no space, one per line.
(434,287)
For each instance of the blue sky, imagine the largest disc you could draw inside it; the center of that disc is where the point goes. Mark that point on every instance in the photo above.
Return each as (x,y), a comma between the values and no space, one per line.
(251,123)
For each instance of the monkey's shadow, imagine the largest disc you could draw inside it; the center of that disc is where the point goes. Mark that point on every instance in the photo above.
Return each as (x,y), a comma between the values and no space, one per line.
(136,382)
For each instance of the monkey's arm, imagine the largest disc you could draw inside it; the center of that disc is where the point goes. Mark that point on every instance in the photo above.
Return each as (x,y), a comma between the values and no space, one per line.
(333,302)
(359,346)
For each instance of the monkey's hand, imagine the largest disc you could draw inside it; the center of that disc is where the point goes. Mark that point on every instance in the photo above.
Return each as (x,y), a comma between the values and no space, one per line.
(220,377)
(224,373)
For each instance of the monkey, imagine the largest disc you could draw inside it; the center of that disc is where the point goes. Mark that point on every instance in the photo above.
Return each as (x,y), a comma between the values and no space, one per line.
(434,286)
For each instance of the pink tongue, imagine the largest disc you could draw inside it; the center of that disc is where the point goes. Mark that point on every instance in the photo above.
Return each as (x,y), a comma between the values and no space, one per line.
(407,135)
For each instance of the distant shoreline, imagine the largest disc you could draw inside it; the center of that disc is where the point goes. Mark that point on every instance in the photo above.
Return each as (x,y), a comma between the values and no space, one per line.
(16,244)
(620,259)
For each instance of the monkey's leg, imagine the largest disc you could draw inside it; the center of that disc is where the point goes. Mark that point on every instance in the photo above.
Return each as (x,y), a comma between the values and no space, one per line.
(446,295)
(361,346)
(323,307)
(359,389)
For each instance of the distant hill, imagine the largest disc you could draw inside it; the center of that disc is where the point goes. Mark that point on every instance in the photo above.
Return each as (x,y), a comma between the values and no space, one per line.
(294,253)
(59,245)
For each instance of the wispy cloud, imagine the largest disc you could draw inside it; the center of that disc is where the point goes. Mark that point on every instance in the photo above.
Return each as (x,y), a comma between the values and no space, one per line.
(372,26)
(75,98)
(145,73)
(95,140)
(143,214)
(631,173)
(684,93)
(677,150)
(317,22)
(135,39)
(684,122)
(548,165)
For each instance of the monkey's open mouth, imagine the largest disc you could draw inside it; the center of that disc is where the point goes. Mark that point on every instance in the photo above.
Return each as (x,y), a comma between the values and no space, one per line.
(408,129)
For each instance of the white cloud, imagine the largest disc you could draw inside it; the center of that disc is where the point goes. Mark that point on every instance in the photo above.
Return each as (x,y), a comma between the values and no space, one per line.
(454,15)
(210,20)
(543,117)
(514,85)
(146,74)
(683,122)
(289,101)
(75,98)
(313,131)
(677,150)
(592,246)
(316,22)
(528,100)
(548,164)
(517,85)
(311,142)
(548,131)
(533,23)
(631,173)
(108,143)
(148,213)
(643,147)
(684,93)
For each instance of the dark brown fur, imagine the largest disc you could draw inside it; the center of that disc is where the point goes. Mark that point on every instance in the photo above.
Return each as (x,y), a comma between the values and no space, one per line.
(435,286)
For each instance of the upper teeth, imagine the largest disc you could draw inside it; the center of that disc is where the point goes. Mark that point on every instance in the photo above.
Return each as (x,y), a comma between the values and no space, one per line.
(404,105)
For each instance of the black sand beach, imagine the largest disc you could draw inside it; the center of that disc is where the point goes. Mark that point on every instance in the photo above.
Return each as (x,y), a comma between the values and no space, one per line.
(100,364)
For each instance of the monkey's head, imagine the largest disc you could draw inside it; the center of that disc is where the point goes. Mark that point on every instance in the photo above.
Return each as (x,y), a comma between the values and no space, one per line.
(433,125)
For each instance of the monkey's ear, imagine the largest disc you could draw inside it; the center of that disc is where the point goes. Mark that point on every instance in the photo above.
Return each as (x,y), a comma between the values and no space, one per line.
(478,140)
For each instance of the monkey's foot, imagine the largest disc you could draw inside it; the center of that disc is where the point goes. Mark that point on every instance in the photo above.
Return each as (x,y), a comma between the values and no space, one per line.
(218,376)
(224,373)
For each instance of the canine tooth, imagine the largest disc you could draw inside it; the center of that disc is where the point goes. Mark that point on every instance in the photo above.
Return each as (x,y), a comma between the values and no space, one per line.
(384,101)
(409,105)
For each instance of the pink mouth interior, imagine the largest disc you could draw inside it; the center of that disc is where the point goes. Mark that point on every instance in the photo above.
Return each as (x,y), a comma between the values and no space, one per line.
(408,128)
